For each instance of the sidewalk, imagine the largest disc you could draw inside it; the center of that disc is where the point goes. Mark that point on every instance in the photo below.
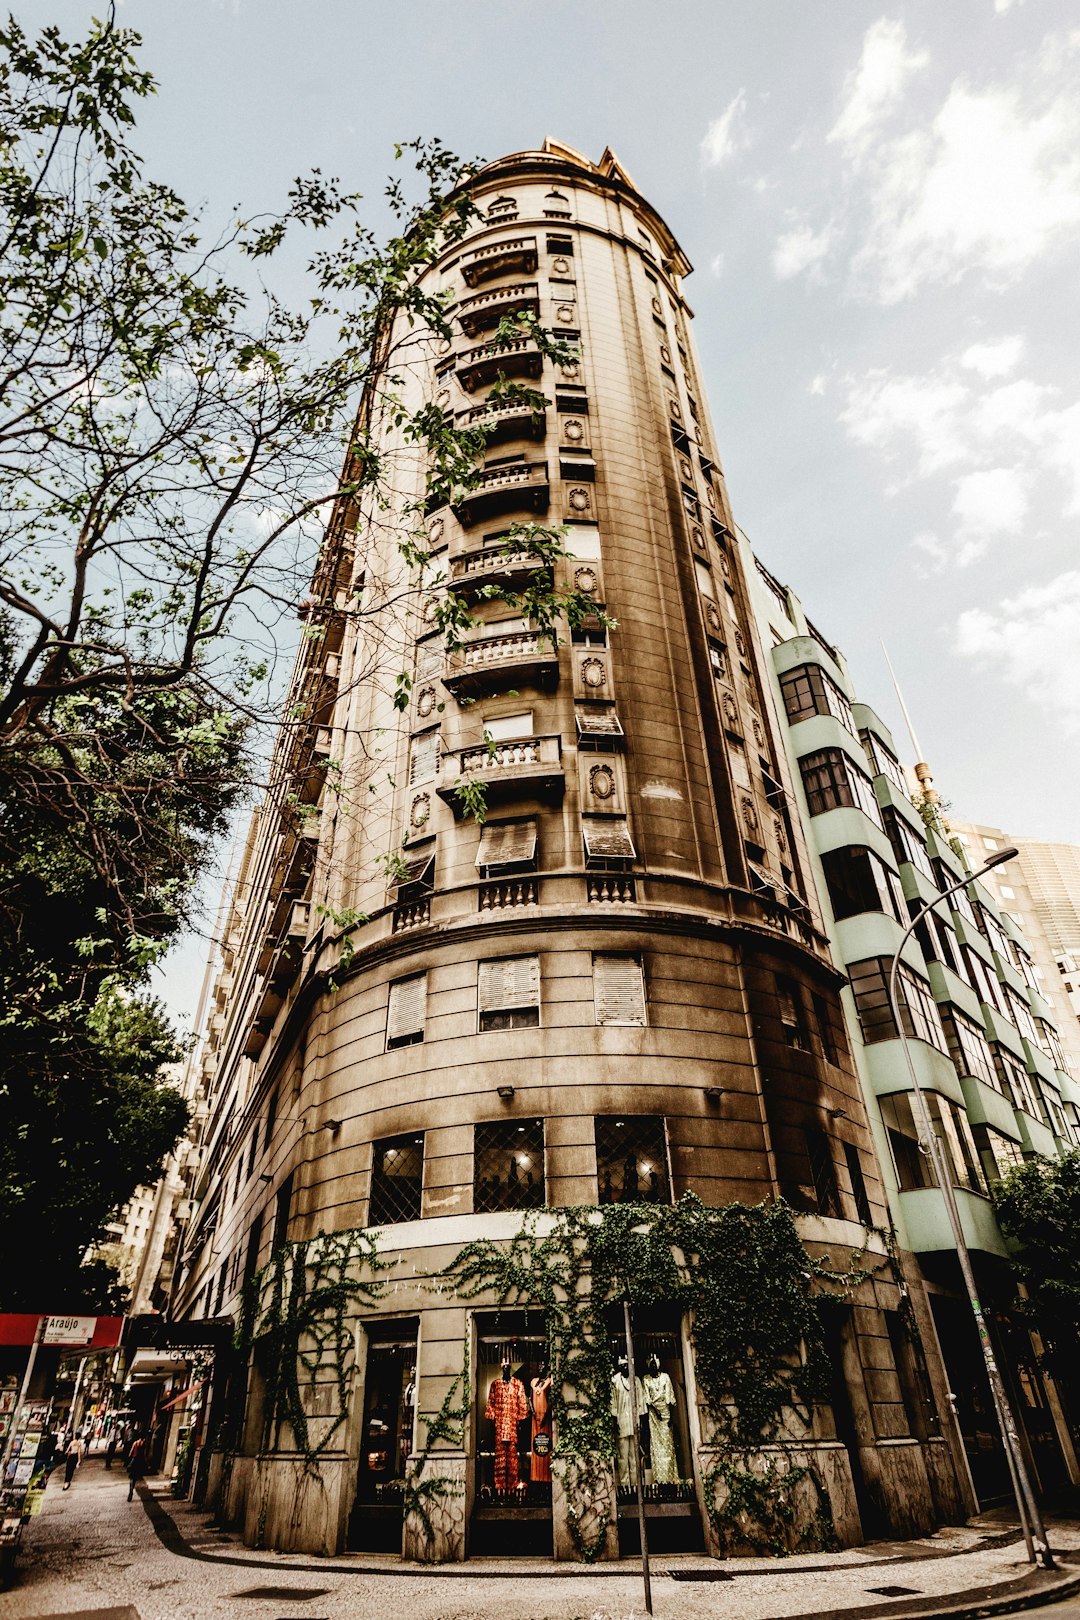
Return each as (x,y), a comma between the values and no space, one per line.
(92,1552)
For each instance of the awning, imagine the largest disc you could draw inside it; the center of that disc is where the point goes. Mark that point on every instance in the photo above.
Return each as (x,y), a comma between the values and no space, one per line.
(414,867)
(608,839)
(601,723)
(184,1394)
(506,843)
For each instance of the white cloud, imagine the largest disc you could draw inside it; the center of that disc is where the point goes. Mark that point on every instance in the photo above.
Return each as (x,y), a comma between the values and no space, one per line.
(1002,6)
(800,249)
(1031,641)
(726,136)
(716,265)
(994,359)
(988,503)
(885,411)
(818,383)
(873,89)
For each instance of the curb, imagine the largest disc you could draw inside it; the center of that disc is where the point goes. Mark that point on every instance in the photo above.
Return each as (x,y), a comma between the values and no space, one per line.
(1030,1591)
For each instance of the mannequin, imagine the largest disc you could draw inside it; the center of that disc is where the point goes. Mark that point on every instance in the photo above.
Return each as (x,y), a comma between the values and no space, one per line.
(659,1399)
(506,1406)
(540,1456)
(408,1401)
(626,1408)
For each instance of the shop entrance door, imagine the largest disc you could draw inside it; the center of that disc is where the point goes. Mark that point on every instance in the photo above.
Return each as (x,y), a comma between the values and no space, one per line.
(386,1443)
(512,1512)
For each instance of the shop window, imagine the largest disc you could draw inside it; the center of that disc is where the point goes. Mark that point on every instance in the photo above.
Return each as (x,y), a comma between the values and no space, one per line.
(515,1433)
(387,1438)
(663,1429)
(809,690)
(508,1165)
(406,1011)
(618,989)
(858,881)
(968,1046)
(918,1009)
(397,1174)
(859,1193)
(833,780)
(508,993)
(631,1159)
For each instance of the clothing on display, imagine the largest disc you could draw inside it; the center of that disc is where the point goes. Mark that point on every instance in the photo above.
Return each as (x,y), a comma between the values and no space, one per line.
(626,1409)
(506,1407)
(540,1454)
(659,1400)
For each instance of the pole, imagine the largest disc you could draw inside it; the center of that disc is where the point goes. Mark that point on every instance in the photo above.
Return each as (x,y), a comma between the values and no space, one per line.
(637,1453)
(1027,1506)
(39,1334)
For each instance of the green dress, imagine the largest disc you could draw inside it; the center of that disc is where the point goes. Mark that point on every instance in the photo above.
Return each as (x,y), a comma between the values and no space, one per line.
(659,1399)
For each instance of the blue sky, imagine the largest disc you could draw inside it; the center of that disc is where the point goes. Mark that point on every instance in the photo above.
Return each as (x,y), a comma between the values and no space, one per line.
(882,203)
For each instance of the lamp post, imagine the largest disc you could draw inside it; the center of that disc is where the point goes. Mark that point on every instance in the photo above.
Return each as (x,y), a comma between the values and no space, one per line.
(1027,1506)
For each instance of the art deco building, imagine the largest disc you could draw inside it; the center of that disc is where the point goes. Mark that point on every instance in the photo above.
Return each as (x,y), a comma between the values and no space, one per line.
(983,1037)
(617,987)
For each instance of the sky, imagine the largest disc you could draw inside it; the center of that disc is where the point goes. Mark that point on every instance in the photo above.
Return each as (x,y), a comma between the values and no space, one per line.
(882,203)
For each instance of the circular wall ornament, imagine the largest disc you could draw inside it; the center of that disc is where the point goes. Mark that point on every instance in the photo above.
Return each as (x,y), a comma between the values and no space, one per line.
(436,529)
(585,580)
(425,701)
(750,816)
(710,497)
(780,835)
(442,398)
(573,431)
(571,369)
(759,735)
(579,500)
(676,409)
(602,782)
(713,616)
(686,472)
(594,673)
(564,313)
(560,266)
(740,643)
(731,713)
(665,354)
(420,810)
(430,609)
(658,308)
(699,539)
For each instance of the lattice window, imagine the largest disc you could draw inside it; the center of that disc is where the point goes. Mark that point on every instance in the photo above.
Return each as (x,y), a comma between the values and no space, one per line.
(508,993)
(618,989)
(508,1165)
(406,1011)
(631,1159)
(397,1174)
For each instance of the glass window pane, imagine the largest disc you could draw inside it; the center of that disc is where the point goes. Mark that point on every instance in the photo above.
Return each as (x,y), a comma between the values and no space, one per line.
(397,1175)
(631,1159)
(508,1166)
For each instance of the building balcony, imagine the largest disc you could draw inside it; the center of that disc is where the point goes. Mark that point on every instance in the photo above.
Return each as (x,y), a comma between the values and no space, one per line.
(486,664)
(482,365)
(501,489)
(518,767)
(507,894)
(490,564)
(504,422)
(488,308)
(499,259)
(610,889)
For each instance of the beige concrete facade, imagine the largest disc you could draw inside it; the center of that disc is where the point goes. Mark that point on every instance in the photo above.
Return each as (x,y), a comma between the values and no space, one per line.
(630,942)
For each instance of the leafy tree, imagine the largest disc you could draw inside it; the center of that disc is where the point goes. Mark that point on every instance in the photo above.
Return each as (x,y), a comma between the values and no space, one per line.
(1038,1206)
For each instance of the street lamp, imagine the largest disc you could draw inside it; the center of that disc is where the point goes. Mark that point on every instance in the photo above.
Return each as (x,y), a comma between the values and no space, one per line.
(1030,1516)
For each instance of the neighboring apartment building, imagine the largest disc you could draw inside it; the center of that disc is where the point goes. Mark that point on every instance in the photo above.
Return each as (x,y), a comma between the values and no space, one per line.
(1040,890)
(617,988)
(984,1040)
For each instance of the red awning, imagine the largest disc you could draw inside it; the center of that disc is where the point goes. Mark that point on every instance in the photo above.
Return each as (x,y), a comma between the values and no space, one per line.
(183,1395)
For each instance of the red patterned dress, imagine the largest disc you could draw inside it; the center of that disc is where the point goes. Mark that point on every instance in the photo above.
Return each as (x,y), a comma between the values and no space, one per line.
(506,1406)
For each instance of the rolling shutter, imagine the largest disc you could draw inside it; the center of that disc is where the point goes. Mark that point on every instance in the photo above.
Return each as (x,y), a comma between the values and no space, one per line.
(406,1010)
(618,989)
(512,981)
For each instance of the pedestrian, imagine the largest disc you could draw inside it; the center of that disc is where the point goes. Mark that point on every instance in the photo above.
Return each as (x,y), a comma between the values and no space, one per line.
(110,1449)
(75,1454)
(136,1464)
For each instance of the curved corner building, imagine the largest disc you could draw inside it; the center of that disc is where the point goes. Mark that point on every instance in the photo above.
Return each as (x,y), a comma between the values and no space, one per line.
(617,987)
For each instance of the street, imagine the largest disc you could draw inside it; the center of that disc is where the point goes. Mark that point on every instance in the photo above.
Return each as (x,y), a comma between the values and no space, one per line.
(91,1552)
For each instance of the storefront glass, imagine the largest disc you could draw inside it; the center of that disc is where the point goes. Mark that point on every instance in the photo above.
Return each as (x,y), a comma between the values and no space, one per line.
(514,1437)
(386,1440)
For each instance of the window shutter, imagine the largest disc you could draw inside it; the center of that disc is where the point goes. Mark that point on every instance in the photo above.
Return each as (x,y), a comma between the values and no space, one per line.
(512,981)
(424,758)
(618,989)
(506,843)
(407,1008)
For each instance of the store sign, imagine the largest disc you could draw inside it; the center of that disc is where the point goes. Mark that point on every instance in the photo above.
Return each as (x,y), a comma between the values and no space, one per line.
(69,1329)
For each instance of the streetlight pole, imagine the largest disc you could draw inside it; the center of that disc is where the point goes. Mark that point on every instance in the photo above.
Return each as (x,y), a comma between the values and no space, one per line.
(1027,1506)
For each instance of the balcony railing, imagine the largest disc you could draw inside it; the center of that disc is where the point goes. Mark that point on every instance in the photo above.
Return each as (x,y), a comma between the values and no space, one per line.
(481,567)
(610,888)
(483,663)
(509,769)
(499,258)
(506,894)
(503,422)
(412,914)
(519,484)
(488,308)
(482,365)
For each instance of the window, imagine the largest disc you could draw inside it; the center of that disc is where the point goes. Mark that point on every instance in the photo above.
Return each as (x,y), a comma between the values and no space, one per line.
(424,758)
(994,932)
(508,1165)
(998,1153)
(882,762)
(1020,1013)
(831,779)
(507,847)
(508,993)
(1051,1045)
(406,1010)
(823,1171)
(809,690)
(869,982)
(1016,1081)
(950,1125)
(859,881)
(981,979)
(608,844)
(282,1205)
(824,1029)
(397,1174)
(858,1184)
(968,1046)
(618,989)
(906,843)
(631,1159)
(705,580)
(271,1116)
(959,900)
(791,1013)
(507,727)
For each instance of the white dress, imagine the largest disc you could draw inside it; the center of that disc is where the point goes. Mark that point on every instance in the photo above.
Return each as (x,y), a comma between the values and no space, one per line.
(660,1398)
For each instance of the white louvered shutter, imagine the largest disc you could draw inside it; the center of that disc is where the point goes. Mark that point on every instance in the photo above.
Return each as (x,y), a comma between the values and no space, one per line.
(511,982)
(407,1009)
(424,758)
(619,990)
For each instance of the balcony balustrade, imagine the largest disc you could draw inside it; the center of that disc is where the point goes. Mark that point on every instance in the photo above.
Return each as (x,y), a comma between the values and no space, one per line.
(411,914)
(484,664)
(610,888)
(476,568)
(510,769)
(502,422)
(518,484)
(507,894)
(488,308)
(482,365)
(517,257)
